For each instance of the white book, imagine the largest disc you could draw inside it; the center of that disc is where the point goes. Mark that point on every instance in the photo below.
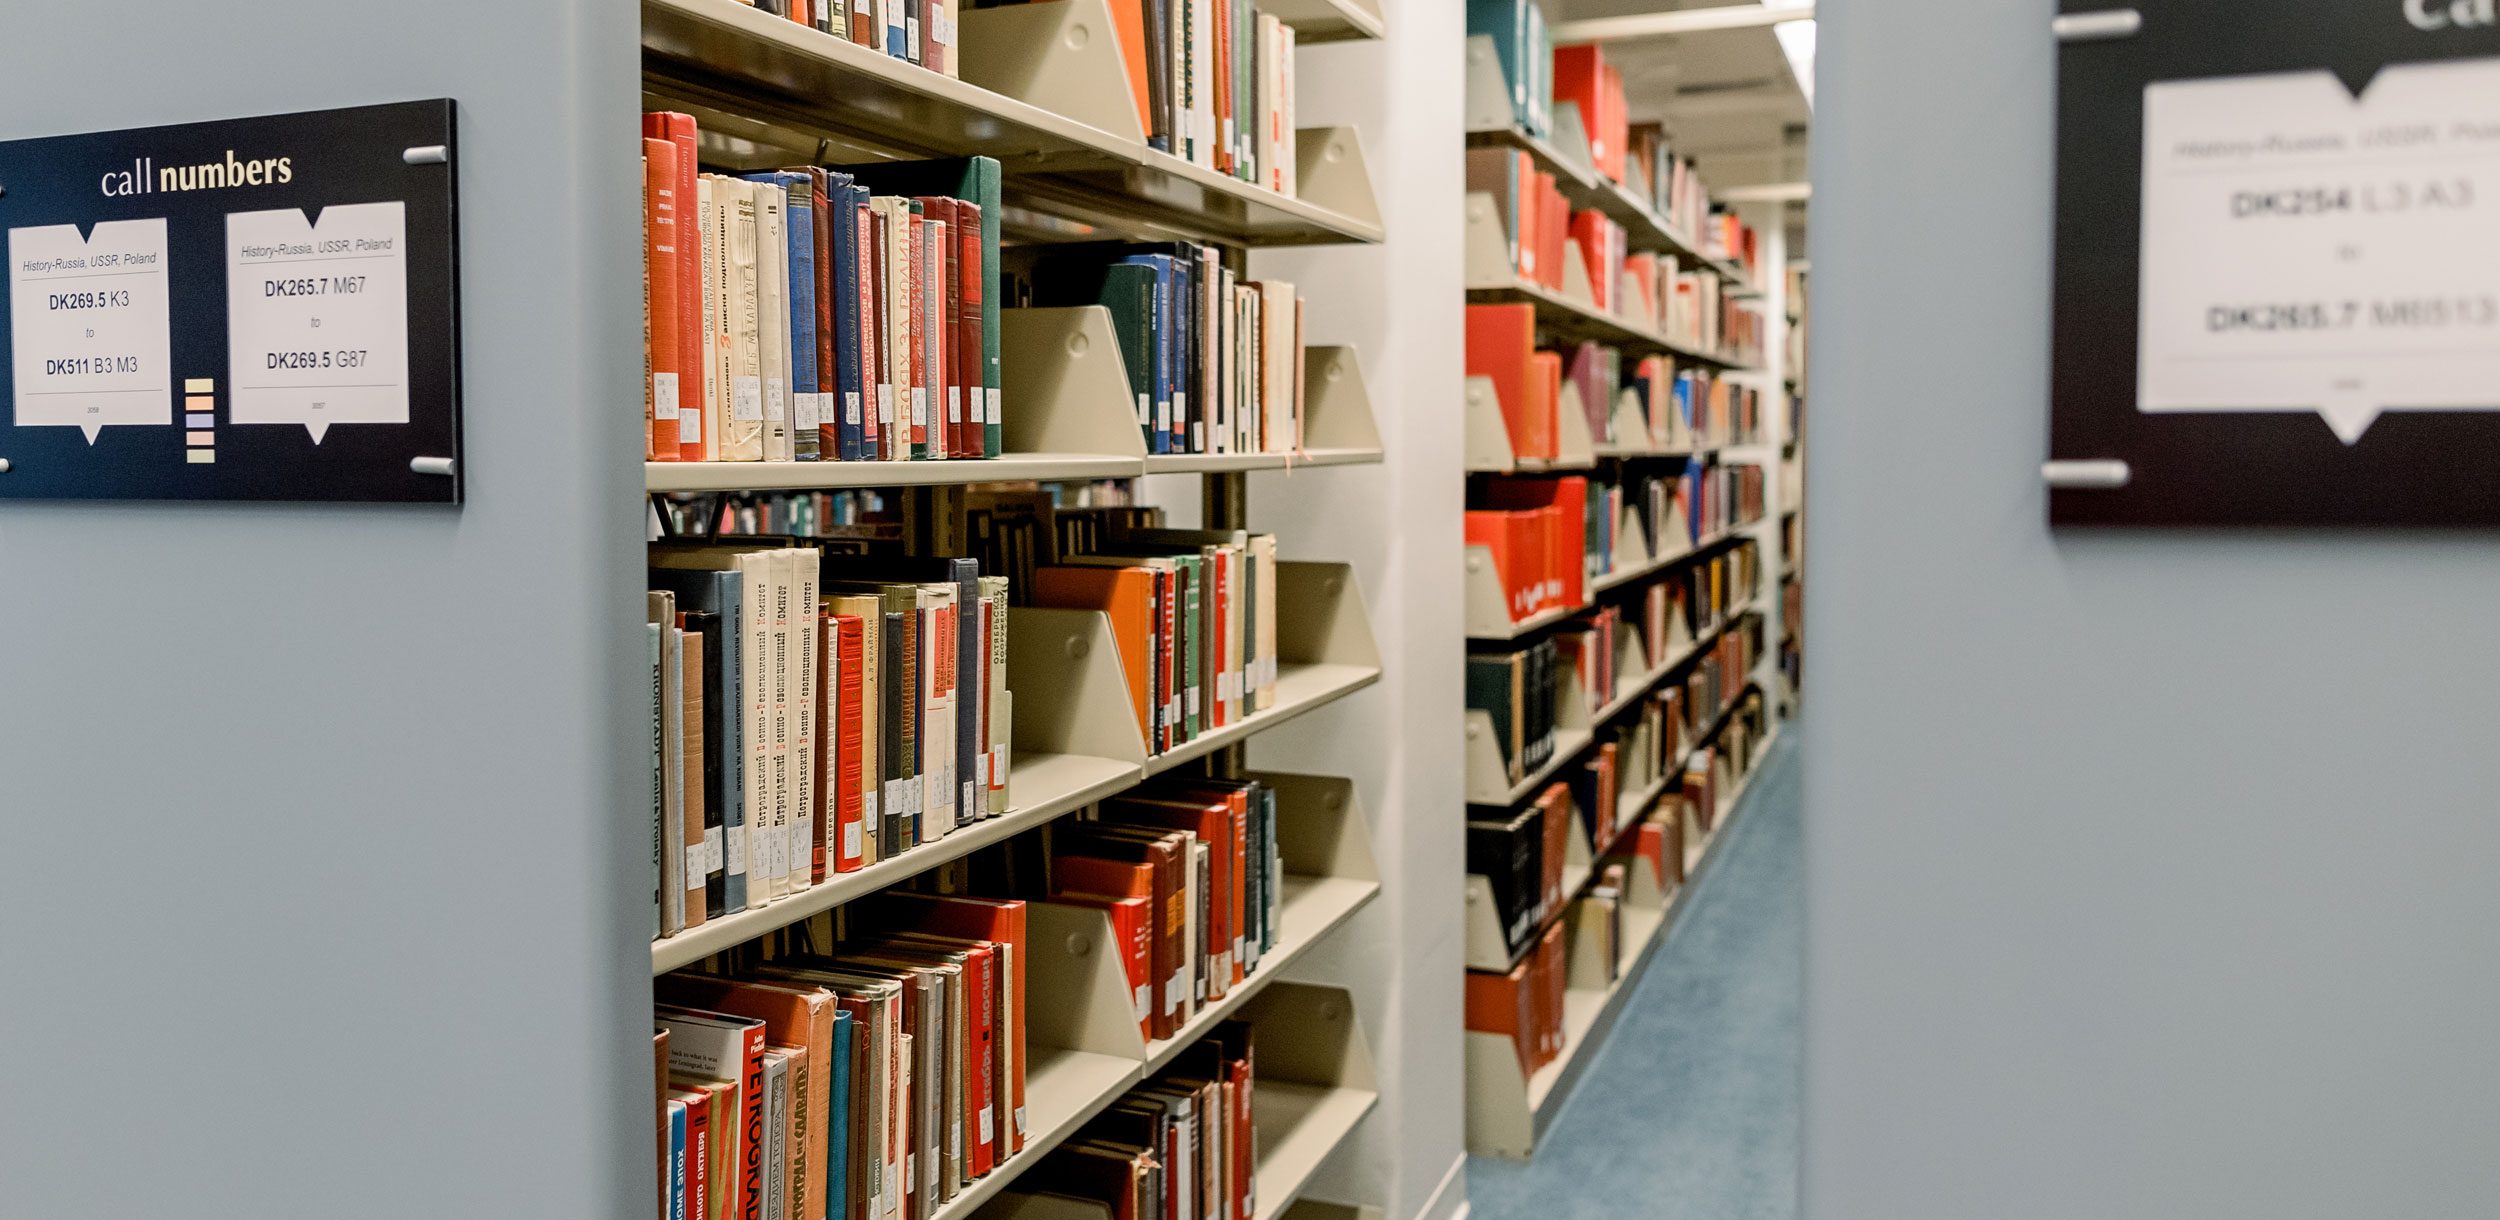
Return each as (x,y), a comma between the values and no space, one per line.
(772,254)
(743,437)
(776,1134)
(933,328)
(780,681)
(894,400)
(1287,181)
(808,624)
(1278,384)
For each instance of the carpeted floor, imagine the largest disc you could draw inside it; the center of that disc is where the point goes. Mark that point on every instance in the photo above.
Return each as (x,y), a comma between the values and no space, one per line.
(1690,1110)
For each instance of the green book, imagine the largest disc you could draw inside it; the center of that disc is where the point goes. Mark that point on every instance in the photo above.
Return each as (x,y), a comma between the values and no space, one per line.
(1128,291)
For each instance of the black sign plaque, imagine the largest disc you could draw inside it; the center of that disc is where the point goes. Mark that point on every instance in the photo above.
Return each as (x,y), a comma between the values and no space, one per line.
(2277,275)
(258,309)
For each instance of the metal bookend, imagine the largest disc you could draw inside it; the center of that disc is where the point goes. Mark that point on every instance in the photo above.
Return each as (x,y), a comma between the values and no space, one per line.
(1576,285)
(1077,989)
(1063,57)
(1063,386)
(1316,1081)
(1571,140)
(1572,444)
(1337,404)
(1320,827)
(1488,90)
(1488,435)
(1064,666)
(1331,172)
(1488,606)
(1321,618)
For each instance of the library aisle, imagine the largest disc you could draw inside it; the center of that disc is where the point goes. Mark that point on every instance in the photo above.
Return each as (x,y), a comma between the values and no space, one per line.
(1691,1106)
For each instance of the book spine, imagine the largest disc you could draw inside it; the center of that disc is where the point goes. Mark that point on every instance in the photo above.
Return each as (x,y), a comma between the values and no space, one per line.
(663,347)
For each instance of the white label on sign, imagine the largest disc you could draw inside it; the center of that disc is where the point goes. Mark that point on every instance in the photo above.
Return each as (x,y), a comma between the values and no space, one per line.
(850,840)
(734,851)
(995,417)
(317,316)
(2305,250)
(746,399)
(88,323)
(712,857)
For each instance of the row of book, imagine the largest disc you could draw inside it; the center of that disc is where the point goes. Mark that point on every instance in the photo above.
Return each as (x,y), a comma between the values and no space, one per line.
(1214,358)
(818,314)
(812,714)
(1723,496)
(1520,689)
(1674,408)
(1193,613)
(923,32)
(869,1078)
(1181,1146)
(1213,81)
(1525,1003)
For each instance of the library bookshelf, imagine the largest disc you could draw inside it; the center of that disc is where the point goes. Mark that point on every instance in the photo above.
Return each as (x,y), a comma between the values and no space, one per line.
(1042,89)
(1723,552)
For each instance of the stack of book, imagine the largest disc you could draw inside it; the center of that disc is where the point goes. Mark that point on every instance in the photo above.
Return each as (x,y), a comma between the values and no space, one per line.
(1178,1147)
(1214,359)
(1213,84)
(1586,645)
(1721,496)
(813,714)
(1668,182)
(875,1078)
(1517,688)
(1527,383)
(1538,532)
(814,314)
(1583,78)
(1193,613)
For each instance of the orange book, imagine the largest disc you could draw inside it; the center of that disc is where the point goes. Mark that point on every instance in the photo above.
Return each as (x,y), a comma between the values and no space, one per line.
(1554,808)
(1154,877)
(1128,596)
(1501,345)
(1580,77)
(1545,403)
(1505,1004)
(1128,20)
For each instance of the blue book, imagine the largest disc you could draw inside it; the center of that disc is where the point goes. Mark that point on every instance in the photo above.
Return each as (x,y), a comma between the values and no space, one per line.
(845,397)
(838,1129)
(1506,21)
(677,1160)
(800,189)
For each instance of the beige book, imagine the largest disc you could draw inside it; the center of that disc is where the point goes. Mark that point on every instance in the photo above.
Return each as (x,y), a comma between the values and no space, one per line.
(807,821)
(698,859)
(743,441)
(893,380)
(994,596)
(1263,666)
(1279,384)
(772,254)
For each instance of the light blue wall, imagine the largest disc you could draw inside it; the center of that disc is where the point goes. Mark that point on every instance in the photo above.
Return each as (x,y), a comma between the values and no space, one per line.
(2149,874)
(321,893)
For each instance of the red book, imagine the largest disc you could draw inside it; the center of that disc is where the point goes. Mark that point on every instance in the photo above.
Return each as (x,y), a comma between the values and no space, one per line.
(698,1146)
(679,129)
(971,366)
(1219,600)
(1108,867)
(662,349)
(846,633)
(864,29)
(1579,78)
(939,241)
(1501,339)
(1589,228)
(829,390)
(1505,1004)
